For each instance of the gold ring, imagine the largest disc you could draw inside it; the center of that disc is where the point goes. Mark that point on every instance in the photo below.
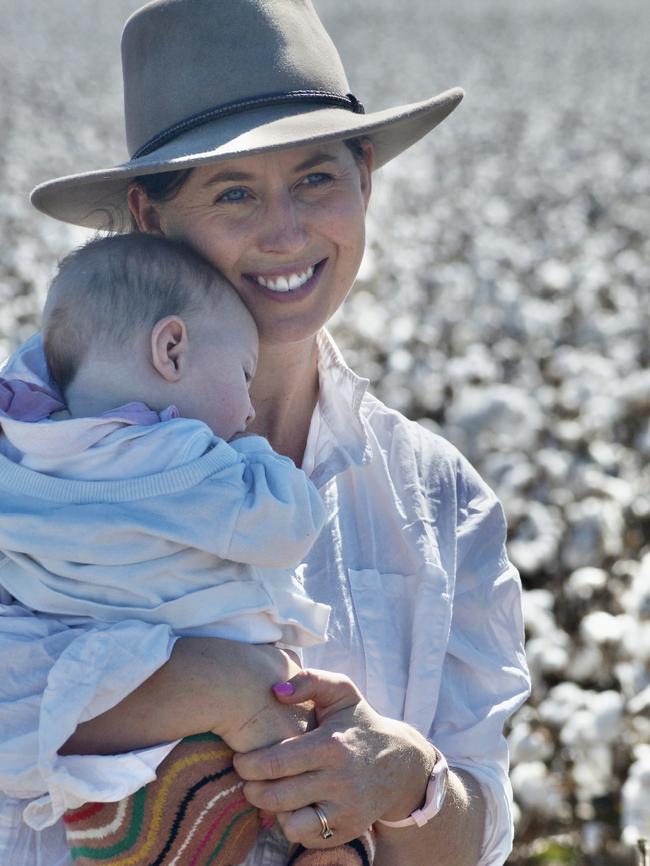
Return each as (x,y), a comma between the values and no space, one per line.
(326,830)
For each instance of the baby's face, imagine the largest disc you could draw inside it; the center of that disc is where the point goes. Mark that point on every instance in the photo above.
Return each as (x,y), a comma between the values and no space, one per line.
(221,364)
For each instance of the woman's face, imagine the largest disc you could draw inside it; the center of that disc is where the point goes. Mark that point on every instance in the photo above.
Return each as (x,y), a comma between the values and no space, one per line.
(286,228)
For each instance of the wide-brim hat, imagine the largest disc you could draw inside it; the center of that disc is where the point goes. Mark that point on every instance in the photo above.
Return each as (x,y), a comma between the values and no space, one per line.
(205,80)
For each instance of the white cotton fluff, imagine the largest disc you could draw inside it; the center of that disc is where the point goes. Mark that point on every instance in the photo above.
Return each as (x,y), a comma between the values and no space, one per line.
(538,789)
(561,703)
(584,582)
(529,744)
(636,797)
(538,611)
(600,627)
(598,721)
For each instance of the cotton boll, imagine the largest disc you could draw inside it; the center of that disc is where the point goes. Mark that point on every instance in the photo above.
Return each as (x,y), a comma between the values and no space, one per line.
(400,360)
(601,627)
(635,796)
(598,722)
(596,528)
(554,275)
(635,391)
(369,316)
(556,464)
(579,729)
(633,675)
(537,606)
(636,640)
(587,664)
(475,365)
(538,789)
(561,703)
(607,708)
(511,472)
(536,537)
(636,600)
(529,744)
(596,481)
(591,771)
(584,582)
(548,654)
(640,702)
(498,416)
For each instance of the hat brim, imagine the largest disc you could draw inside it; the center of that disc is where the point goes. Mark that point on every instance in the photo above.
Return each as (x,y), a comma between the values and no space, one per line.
(98,199)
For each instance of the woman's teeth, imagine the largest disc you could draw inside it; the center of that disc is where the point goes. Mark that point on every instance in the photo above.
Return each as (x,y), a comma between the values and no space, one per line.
(287,283)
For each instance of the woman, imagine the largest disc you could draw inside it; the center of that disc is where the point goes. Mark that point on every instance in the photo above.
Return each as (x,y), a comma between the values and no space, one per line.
(249,102)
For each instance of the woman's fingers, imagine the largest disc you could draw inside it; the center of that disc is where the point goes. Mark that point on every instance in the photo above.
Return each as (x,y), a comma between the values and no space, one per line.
(293,757)
(304,826)
(286,795)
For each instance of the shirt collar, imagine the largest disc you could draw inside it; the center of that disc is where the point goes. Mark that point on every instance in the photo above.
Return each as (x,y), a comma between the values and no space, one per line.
(338,435)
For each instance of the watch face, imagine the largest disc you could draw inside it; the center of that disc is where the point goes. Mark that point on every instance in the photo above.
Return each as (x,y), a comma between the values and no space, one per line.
(442,778)
(437,788)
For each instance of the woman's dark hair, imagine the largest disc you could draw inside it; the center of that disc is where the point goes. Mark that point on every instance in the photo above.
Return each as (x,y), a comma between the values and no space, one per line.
(164,185)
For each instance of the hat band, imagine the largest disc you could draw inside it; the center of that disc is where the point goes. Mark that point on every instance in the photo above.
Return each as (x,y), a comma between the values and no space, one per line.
(318,97)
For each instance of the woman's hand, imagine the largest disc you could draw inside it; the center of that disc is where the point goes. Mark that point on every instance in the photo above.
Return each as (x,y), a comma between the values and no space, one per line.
(357,765)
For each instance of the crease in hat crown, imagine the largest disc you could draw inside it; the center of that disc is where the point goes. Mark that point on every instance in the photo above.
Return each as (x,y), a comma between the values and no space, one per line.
(239,49)
(206,80)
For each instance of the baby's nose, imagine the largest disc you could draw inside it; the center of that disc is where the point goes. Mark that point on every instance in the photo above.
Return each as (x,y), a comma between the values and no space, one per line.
(251,416)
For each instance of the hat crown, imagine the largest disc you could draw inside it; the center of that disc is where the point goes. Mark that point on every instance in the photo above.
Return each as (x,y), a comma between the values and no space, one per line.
(183,57)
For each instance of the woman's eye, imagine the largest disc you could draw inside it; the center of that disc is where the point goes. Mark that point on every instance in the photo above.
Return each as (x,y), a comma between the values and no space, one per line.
(235,194)
(317,179)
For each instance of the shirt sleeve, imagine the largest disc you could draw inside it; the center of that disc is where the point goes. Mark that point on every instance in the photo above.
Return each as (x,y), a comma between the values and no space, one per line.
(280,512)
(55,678)
(485,677)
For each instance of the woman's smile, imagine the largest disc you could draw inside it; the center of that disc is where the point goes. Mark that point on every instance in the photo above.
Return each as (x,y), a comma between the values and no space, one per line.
(289,285)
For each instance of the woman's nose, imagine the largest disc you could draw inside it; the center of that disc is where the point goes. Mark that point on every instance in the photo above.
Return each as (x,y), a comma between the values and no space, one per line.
(283,229)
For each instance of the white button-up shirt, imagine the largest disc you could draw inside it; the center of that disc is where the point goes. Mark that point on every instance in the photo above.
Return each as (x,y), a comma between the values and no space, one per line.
(426,619)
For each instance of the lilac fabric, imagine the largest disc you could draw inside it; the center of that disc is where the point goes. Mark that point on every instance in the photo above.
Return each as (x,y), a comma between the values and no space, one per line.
(24,401)
(140,413)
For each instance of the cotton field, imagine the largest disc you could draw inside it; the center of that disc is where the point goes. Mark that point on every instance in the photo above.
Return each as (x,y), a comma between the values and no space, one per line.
(503,302)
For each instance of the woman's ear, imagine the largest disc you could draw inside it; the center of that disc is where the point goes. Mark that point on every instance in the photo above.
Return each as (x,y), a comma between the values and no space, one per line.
(169,345)
(145,212)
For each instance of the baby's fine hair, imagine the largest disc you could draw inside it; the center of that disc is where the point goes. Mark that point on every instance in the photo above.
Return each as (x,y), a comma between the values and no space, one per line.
(114,286)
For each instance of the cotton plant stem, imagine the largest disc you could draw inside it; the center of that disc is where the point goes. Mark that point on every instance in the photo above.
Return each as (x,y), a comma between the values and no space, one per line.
(642,847)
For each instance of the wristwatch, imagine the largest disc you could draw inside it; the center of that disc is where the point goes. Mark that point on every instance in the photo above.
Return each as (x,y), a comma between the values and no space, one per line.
(435,797)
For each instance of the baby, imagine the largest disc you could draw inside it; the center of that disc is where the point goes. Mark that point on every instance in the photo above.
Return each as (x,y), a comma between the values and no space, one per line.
(142,497)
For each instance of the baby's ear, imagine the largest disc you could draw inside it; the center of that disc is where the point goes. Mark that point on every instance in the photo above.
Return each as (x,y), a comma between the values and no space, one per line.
(168,347)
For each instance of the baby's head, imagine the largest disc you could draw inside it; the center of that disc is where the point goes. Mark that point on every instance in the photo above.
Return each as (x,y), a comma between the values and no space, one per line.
(142,318)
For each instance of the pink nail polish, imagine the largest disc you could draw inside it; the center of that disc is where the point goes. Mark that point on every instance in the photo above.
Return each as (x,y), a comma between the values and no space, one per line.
(283,689)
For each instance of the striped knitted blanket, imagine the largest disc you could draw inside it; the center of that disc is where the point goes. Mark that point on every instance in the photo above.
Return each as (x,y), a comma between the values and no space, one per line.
(193,814)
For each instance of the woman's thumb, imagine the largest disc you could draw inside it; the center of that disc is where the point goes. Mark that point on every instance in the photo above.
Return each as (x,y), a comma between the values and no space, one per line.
(328,691)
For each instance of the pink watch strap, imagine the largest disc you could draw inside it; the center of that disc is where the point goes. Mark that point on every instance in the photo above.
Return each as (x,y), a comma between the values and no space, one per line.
(435,797)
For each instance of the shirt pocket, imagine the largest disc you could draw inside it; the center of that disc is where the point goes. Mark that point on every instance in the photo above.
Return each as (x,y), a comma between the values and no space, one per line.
(404,626)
